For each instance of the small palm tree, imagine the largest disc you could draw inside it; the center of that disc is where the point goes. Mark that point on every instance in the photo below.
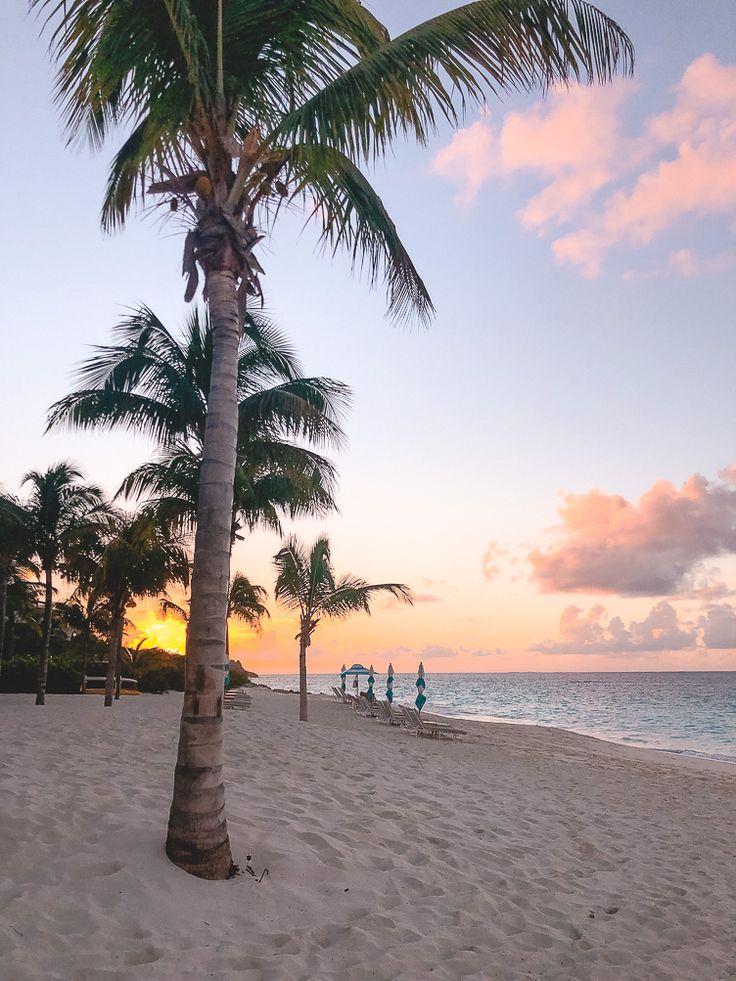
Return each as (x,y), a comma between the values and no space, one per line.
(306,584)
(61,510)
(87,613)
(140,559)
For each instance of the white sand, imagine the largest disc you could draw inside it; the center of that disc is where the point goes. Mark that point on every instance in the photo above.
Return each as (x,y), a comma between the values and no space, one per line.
(389,857)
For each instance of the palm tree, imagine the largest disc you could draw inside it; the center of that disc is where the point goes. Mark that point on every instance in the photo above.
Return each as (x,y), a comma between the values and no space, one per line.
(152,382)
(140,559)
(87,613)
(236,108)
(61,511)
(16,555)
(306,584)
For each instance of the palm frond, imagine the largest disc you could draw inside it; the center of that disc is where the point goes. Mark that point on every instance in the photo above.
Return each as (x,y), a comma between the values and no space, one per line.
(354,218)
(246,601)
(292,585)
(353,595)
(463,55)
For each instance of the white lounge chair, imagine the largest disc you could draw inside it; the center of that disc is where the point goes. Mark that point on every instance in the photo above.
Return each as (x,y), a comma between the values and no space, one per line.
(418,726)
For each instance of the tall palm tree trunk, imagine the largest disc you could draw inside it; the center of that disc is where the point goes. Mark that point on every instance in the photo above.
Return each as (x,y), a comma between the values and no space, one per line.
(116,636)
(3,618)
(118,667)
(10,638)
(303,711)
(85,659)
(43,660)
(197,839)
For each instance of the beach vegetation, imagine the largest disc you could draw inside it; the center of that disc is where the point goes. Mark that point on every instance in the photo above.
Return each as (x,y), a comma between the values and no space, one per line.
(306,585)
(61,512)
(234,112)
(152,382)
(141,558)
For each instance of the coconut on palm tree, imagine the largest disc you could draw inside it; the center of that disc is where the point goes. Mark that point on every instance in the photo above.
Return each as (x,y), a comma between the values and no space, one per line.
(306,584)
(156,383)
(235,108)
(61,510)
(140,559)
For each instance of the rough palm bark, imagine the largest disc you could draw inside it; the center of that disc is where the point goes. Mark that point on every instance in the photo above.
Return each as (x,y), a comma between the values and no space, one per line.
(303,710)
(43,661)
(116,636)
(118,668)
(3,618)
(197,839)
(85,659)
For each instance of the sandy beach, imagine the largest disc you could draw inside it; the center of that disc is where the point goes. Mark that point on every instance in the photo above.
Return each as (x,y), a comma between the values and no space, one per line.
(519,853)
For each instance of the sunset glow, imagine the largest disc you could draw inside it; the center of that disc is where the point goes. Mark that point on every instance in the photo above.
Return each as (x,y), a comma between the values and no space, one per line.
(548,466)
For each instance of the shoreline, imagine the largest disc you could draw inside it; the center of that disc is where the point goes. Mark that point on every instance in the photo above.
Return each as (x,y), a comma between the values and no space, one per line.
(687,756)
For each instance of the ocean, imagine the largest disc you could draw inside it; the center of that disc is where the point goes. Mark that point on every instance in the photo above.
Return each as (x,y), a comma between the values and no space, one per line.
(691,712)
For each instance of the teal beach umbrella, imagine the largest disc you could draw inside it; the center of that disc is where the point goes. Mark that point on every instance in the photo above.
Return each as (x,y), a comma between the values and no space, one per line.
(420,683)
(342,679)
(390,683)
(371,683)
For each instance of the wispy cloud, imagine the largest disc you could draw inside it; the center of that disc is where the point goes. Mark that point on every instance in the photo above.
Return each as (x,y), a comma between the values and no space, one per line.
(610,545)
(607,187)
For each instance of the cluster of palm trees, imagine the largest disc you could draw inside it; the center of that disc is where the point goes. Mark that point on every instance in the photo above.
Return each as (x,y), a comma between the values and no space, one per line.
(237,110)
(156,383)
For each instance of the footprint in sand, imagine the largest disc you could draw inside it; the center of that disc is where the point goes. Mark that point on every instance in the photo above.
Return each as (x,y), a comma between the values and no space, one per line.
(148,955)
(96,870)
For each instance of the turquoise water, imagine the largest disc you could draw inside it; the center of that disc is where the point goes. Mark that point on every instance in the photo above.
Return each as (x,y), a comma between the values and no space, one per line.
(690,712)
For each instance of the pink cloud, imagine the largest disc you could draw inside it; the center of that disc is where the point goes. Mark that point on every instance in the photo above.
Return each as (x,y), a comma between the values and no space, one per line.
(491,560)
(687,264)
(469,160)
(595,633)
(651,548)
(613,189)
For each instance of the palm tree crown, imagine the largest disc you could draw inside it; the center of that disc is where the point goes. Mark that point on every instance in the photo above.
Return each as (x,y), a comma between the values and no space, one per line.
(269,101)
(156,383)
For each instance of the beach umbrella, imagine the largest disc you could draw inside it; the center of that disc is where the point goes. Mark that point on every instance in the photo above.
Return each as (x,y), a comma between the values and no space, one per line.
(342,679)
(421,684)
(371,683)
(355,671)
(390,683)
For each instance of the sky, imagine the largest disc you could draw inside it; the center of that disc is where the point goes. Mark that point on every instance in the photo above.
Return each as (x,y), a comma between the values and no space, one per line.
(551,464)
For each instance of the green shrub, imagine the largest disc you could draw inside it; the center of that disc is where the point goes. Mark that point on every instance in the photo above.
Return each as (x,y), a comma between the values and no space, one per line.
(21,674)
(157,680)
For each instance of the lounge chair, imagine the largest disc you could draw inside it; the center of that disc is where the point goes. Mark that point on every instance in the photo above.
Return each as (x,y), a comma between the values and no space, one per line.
(389,715)
(418,726)
(236,698)
(365,707)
